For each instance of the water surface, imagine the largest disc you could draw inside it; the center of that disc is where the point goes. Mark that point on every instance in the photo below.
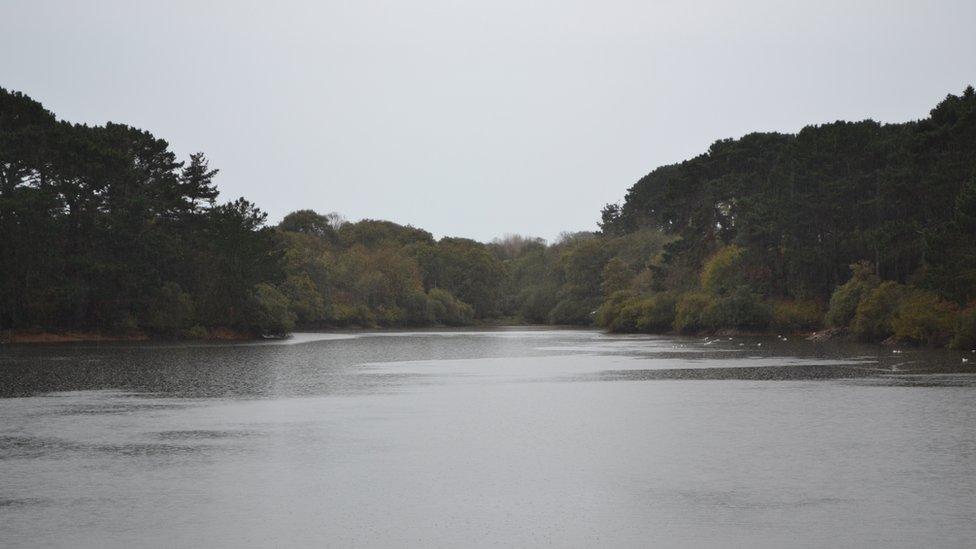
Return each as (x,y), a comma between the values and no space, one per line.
(486,438)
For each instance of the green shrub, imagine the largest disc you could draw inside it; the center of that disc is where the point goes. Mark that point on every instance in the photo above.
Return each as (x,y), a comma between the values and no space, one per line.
(268,311)
(536,303)
(872,320)
(845,299)
(627,316)
(924,318)
(741,310)
(689,312)
(304,299)
(796,316)
(657,313)
(415,308)
(610,309)
(652,314)
(389,315)
(363,316)
(195,332)
(964,332)
(354,315)
(723,272)
(169,311)
(444,308)
(571,311)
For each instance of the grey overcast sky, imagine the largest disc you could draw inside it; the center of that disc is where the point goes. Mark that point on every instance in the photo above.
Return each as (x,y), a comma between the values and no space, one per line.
(475,118)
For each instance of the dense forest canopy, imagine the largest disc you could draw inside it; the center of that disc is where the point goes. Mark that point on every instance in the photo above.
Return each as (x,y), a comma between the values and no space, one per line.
(860,226)
(807,206)
(103,227)
(777,222)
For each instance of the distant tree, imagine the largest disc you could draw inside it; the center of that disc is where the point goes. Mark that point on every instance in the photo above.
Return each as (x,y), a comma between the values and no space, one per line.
(336,221)
(197,190)
(308,222)
(512,246)
(951,254)
(468,270)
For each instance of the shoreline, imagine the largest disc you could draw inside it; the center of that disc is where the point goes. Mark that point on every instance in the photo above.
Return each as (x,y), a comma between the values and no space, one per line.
(68,336)
(53,337)
(224,334)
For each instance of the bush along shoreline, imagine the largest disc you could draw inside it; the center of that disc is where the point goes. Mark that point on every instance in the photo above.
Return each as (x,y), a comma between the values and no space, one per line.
(864,309)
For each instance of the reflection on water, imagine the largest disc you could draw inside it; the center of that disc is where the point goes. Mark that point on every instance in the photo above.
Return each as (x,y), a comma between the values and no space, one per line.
(495,437)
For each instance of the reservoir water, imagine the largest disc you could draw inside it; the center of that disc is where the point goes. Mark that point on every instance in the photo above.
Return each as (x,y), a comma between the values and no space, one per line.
(509,437)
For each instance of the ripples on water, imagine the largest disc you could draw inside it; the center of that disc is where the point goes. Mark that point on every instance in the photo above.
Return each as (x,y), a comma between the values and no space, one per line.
(497,437)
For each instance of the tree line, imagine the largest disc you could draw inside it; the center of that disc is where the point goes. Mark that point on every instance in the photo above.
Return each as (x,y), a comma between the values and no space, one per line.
(104,228)
(864,227)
